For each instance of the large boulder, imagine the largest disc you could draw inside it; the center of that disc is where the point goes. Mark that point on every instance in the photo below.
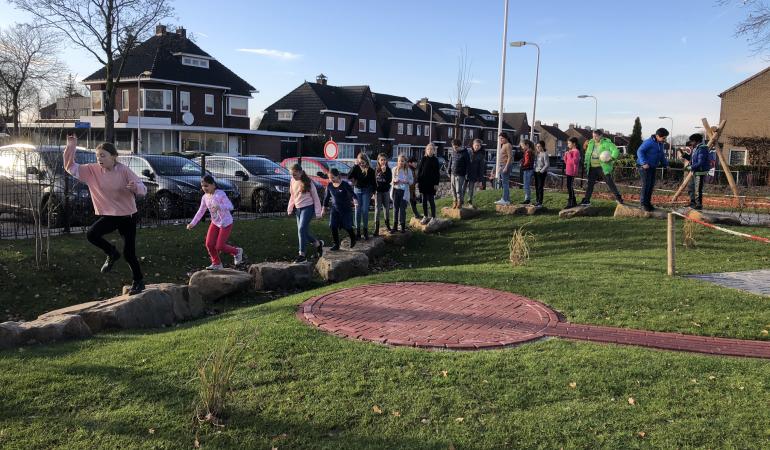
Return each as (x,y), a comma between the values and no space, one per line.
(526,210)
(436,224)
(215,284)
(281,276)
(341,265)
(53,329)
(396,238)
(632,211)
(579,211)
(713,218)
(10,335)
(460,213)
(372,248)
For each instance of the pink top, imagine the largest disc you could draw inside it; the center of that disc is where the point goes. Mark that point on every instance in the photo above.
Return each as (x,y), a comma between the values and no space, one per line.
(572,162)
(219,207)
(301,199)
(109,188)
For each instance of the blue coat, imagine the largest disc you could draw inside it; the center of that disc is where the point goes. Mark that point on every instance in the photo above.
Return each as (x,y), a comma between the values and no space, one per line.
(701,159)
(651,152)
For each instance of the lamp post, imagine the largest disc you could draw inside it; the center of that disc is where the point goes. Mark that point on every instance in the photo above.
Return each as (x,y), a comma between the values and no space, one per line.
(671,133)
(139,105)
(596,108)
(464,119)
(502,88)
(537,76)
(430,121)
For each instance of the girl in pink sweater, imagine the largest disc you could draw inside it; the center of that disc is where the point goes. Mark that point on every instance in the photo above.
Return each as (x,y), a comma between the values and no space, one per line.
(219,207)
(305,204)
(113,188)
(571,164)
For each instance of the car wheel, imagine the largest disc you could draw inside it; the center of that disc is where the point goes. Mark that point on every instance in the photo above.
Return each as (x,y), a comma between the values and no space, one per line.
(260,201)
(167,206)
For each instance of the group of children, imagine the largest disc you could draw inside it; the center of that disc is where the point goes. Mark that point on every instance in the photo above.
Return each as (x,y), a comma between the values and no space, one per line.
(466,169)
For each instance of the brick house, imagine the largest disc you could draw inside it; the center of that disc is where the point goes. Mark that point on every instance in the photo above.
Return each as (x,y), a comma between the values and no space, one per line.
(66,108)
(319,111)
(555,139)
(746,108)
(405,128)
(518,121)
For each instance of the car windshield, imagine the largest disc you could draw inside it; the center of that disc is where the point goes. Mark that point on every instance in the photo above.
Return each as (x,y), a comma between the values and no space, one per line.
(174,166)
(55,160)
(260,166)
(341,166)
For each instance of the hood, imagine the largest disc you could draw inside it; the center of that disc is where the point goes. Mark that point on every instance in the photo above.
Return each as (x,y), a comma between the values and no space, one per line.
(194,182)
(283,180)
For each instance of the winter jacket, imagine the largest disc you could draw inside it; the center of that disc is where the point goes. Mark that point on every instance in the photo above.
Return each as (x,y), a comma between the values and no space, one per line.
(383,179)
(528,162)
(401,180)
(459,163)
(428,173)
(605,145)
(360,180)
(701,159)
(571,162)
(541,162)
(651,152)
(478,166)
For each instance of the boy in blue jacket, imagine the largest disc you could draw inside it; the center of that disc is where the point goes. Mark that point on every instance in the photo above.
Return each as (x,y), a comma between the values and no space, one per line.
(341,196)
(700,164)
(649,157)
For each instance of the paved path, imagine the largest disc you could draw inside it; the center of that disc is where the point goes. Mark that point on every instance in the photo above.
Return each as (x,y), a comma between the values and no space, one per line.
(754,281)
(457,317)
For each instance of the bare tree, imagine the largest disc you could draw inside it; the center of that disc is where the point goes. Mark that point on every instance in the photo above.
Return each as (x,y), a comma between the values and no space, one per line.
(27,64)
(463,87)
(108,29)
(756,27)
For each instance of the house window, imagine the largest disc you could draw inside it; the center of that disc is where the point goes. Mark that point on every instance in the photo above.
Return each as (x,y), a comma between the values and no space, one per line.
(209,100)
(409,129)
(330,123)
(400,128)
(124,99)
(97,100)
(340,123)
(362,125)
(195,62)
(427,130)
(372,126)
(737,157)
(419,130)
(184,101)
(238,106)
(285,115)
(157,100)
(450,132)
(490,135)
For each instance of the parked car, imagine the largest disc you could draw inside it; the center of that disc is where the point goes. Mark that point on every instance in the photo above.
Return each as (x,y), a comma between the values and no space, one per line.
(318,168)
(33,177)
(263,184)
(173,184)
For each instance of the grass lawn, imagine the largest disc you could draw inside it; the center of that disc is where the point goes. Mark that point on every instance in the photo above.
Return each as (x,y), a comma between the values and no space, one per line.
(300,388)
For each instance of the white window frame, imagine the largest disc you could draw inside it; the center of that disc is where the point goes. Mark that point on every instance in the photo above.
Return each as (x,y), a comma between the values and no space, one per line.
(341,124)
(124,100)
(94,95)
(409,129)
(195,62)
(372,126)
(738,150)
(182,96)
(285,115)
(168,100)
(230,106)
(330,123)
(400,128)
(362,125)
(209,102)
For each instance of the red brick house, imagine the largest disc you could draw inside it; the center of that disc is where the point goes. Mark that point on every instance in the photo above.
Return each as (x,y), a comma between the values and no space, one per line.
(405,127)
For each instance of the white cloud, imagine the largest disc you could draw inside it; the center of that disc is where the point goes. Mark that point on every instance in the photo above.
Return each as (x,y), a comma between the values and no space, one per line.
(270,53)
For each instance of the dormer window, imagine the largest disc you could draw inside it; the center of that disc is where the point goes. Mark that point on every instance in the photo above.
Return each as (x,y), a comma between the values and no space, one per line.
(401,105)
(489,117)
(285,115)
(195,62)
(449,111)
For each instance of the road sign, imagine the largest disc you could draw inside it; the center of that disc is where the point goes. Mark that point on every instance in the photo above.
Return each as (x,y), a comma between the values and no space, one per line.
(79,124)
(331,150)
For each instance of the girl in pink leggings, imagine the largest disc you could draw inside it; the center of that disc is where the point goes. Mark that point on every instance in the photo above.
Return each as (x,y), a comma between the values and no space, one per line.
(219,207)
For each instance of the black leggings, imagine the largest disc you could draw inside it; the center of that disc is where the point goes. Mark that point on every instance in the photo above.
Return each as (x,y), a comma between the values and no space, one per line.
(126,226)
(336,235)
(429,198)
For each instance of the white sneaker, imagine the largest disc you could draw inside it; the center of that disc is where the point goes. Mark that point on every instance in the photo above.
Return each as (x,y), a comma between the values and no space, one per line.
(500,202)
(425,220)
(238,257)
(215,267)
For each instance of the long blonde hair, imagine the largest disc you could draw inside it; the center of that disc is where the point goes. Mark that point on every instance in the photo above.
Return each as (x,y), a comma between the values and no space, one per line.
(432,147)
(397,169)
(363,157)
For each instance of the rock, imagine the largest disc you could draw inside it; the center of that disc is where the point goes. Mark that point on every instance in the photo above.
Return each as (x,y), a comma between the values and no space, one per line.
(436,224)
(527,210)
(10,335)
(281,276)
(53,329)
(632,211)
(215,284)
(579,211)
(460,213)
(341,265)
(397,238)
(713,218)
(373,248)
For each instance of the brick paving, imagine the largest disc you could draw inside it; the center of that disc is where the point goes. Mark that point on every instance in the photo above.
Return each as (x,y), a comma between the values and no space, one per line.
(754,281)
(458,317)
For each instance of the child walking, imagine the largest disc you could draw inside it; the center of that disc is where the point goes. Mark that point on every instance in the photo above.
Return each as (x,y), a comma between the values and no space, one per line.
(304,203)
(341,195)
(219,207)
(399,192)
(383,176)
(571,165)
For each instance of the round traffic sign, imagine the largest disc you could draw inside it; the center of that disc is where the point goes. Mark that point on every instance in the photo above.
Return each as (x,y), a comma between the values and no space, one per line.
(331,150)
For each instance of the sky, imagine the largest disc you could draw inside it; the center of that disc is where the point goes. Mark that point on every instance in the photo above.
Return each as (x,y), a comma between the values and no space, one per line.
(647,59)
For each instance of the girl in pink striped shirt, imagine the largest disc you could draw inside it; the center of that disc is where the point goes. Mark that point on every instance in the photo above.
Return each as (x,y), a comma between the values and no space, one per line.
(219,207)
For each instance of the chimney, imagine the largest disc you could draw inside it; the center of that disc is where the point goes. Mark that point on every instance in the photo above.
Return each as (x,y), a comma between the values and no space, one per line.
(160,30)
(180,31)
(571,126)
(321,79)
(538,123)
(556,125)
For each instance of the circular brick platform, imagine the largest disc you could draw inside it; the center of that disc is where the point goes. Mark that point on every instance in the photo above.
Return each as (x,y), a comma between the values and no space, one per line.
(430,315)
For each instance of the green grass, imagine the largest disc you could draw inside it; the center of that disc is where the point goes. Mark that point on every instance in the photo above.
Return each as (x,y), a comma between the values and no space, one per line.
(300,388)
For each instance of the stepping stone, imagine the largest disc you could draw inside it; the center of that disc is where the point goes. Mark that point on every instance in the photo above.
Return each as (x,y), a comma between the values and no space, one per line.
(43,331)
(713,218)
(463,213)
(579,211)
(281,276)
(436,224)
(341,265)
(632,211)
(526,210)
(215,284)
(373,248)
(398,238)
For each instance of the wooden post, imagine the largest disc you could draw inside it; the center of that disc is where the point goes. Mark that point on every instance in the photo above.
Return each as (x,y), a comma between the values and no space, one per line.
(671,245)
(712,136)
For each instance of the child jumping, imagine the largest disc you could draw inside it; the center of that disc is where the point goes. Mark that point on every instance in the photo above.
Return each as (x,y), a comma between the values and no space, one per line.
(219,207)
(341,196)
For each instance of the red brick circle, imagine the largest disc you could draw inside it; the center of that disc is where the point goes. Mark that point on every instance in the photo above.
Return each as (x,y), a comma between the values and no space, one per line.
(430,315)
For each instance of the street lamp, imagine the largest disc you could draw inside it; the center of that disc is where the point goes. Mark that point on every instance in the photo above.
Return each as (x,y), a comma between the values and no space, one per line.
(502,89)
(430,129)
(139,105)
(671,133)
(464,119)
(596,108)
(537,76)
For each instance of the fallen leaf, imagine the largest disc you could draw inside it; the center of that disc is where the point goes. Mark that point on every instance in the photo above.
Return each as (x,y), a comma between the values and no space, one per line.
(425,421)
(764,332)
(740,387)
(151,431)
(396,414)
(641,434)
(693,381)
(376,409)
(196,443)
(712,377)
(444,373)
(459,419)
(631,401)
(696,324)
(573,385)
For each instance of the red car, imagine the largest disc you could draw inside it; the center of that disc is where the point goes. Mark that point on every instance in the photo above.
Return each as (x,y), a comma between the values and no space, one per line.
(318,168)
